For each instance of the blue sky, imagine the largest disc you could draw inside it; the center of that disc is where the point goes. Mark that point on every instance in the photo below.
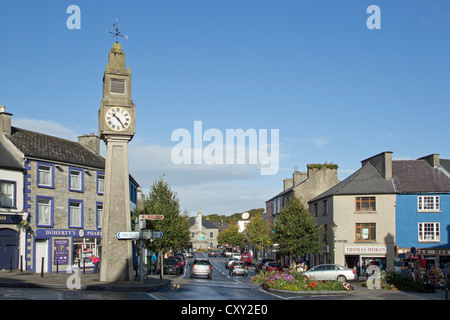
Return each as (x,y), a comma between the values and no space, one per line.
(336,90)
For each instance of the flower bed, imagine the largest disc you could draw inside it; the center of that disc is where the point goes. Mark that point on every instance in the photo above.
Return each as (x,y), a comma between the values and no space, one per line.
(297,282)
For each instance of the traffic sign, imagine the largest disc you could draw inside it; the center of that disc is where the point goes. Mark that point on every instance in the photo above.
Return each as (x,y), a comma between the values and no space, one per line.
(157,234)
(128,235)
(152,216)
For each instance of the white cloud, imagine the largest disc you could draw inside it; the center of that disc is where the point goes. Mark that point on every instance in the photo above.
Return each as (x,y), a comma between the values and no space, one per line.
(46,127)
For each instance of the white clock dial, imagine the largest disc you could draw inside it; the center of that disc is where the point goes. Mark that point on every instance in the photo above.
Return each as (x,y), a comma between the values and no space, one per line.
(118,118)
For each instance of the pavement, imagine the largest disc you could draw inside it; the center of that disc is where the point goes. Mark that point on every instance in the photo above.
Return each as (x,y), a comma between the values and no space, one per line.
(78,280)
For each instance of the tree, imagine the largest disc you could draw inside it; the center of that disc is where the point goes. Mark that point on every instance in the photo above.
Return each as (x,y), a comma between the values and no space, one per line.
(258,232)
(175,227)
(232,237)
(296,231)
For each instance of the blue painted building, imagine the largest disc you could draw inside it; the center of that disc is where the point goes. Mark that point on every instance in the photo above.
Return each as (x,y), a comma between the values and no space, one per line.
(423,209)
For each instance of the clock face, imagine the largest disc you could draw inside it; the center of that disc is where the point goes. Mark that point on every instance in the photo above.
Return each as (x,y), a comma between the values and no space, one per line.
(117,118)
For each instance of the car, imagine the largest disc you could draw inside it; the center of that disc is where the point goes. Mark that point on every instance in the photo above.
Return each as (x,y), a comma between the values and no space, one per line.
(180,262)
(170,266)
(272,266)
(259,266)
(230,261)
(238,267)
(201,267)
(189,254)
(247,258)
(236,255)
(332,272)
(212,254)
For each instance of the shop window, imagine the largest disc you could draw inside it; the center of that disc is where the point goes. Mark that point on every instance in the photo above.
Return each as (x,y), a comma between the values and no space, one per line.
(365,232)
(365,204)
(76,180)
(83,249)
(429,232)
(7,194)
(45,175)
(428,204)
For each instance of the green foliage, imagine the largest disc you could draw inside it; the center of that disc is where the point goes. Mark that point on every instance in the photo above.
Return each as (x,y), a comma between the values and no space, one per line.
(296,231)
(175,227)
(258,232)
(232,237)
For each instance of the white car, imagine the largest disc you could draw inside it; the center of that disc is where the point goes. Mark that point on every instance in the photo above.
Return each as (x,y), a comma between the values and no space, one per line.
(332,272)
(230,261)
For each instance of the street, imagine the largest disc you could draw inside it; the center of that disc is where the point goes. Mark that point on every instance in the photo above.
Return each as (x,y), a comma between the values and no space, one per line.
(222,286)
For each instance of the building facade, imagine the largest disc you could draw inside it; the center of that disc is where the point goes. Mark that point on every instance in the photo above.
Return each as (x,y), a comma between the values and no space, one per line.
(423,211)
(358,217)
(203,232)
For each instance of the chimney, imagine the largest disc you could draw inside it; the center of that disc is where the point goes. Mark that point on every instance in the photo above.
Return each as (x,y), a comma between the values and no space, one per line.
(91,142)
(383,163)
(287,183)
(432,159)
(5,121)
(298,176)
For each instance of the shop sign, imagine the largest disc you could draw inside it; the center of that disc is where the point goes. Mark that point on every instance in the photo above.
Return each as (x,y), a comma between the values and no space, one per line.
(10,219)
(47,233)
(377,250)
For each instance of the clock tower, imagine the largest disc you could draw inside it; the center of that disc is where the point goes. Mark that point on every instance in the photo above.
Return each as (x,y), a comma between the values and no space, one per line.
(116,123)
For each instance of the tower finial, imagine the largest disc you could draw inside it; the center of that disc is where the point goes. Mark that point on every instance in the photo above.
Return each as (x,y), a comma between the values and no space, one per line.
(117,33)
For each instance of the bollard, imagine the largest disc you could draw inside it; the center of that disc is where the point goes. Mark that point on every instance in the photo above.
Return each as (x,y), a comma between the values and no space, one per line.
(21,263)
(57,266)
(10,264)
(42,268)
(127,276)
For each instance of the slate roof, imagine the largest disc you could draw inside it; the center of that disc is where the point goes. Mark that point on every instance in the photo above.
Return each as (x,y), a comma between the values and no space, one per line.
(41,146)
(408,176)
(366,180)
(419,176)
(205,223)
(445,163)
(8,161)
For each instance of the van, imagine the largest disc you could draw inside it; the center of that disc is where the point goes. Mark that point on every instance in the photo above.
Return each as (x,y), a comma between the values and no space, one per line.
(247,258)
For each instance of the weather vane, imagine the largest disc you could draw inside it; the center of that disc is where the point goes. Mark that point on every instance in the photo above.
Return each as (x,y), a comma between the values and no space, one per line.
(117,33)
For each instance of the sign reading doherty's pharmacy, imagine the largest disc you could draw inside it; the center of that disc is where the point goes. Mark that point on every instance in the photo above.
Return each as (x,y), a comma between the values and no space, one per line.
(365,250)
(79,233)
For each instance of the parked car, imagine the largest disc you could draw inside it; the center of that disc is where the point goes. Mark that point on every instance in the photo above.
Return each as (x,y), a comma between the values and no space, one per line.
(182,255)
(272,266)
(259,266)
(238,267)
(170,266)
(189,254)
(201,267)
(247,258)
(330,272)
(180,262)
(230,261)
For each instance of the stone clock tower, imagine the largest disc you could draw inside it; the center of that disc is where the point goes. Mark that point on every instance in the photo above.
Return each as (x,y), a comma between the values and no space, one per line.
(116,123)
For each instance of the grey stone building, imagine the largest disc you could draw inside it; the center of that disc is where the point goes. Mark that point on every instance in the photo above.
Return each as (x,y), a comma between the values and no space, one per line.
(63,196)
(203,232)
(303,185)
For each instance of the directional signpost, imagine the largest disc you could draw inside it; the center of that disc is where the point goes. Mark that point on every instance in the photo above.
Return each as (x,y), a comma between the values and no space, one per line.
(152,216)
(128,235)
(157,235)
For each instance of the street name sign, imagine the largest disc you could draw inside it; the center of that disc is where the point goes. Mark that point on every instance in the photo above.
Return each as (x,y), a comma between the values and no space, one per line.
(128,235)
(152,217)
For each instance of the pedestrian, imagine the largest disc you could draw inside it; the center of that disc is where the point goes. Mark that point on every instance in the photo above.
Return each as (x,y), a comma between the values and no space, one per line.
(95,260)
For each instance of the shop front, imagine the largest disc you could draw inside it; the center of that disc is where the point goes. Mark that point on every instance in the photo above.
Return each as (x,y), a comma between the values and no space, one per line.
(361,257)
(59,250)
(424,263)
